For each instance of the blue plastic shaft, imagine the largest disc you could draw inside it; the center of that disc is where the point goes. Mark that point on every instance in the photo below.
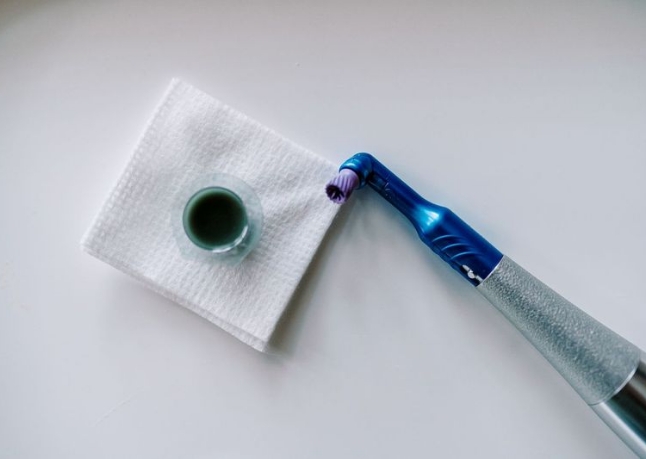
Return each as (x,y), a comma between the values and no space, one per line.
(438,227)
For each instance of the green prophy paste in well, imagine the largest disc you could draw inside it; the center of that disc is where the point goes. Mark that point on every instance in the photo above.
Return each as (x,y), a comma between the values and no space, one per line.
(215,218)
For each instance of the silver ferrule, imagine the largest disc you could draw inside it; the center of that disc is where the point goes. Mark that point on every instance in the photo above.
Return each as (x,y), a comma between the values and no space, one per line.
(625,412)
(598,363)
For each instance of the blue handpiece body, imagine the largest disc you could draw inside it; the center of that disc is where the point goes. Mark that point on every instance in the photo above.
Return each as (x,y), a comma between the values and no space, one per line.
(439,228)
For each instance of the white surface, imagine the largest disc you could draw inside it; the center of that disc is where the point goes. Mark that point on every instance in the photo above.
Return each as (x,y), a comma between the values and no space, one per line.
(527,118)
(192,139)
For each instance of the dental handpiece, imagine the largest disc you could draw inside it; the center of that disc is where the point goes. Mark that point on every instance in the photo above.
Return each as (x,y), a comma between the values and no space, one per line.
(606,370)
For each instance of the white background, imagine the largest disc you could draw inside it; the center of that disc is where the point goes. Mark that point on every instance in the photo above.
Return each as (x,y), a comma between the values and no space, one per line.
(527,118)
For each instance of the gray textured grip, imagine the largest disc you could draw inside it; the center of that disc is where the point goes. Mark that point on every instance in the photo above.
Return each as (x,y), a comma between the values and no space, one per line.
(592,358)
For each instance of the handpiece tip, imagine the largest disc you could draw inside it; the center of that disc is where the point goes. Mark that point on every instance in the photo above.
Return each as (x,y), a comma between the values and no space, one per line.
(341,187)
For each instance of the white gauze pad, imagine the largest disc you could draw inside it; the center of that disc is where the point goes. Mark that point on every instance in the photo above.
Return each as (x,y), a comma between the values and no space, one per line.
(191,135)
